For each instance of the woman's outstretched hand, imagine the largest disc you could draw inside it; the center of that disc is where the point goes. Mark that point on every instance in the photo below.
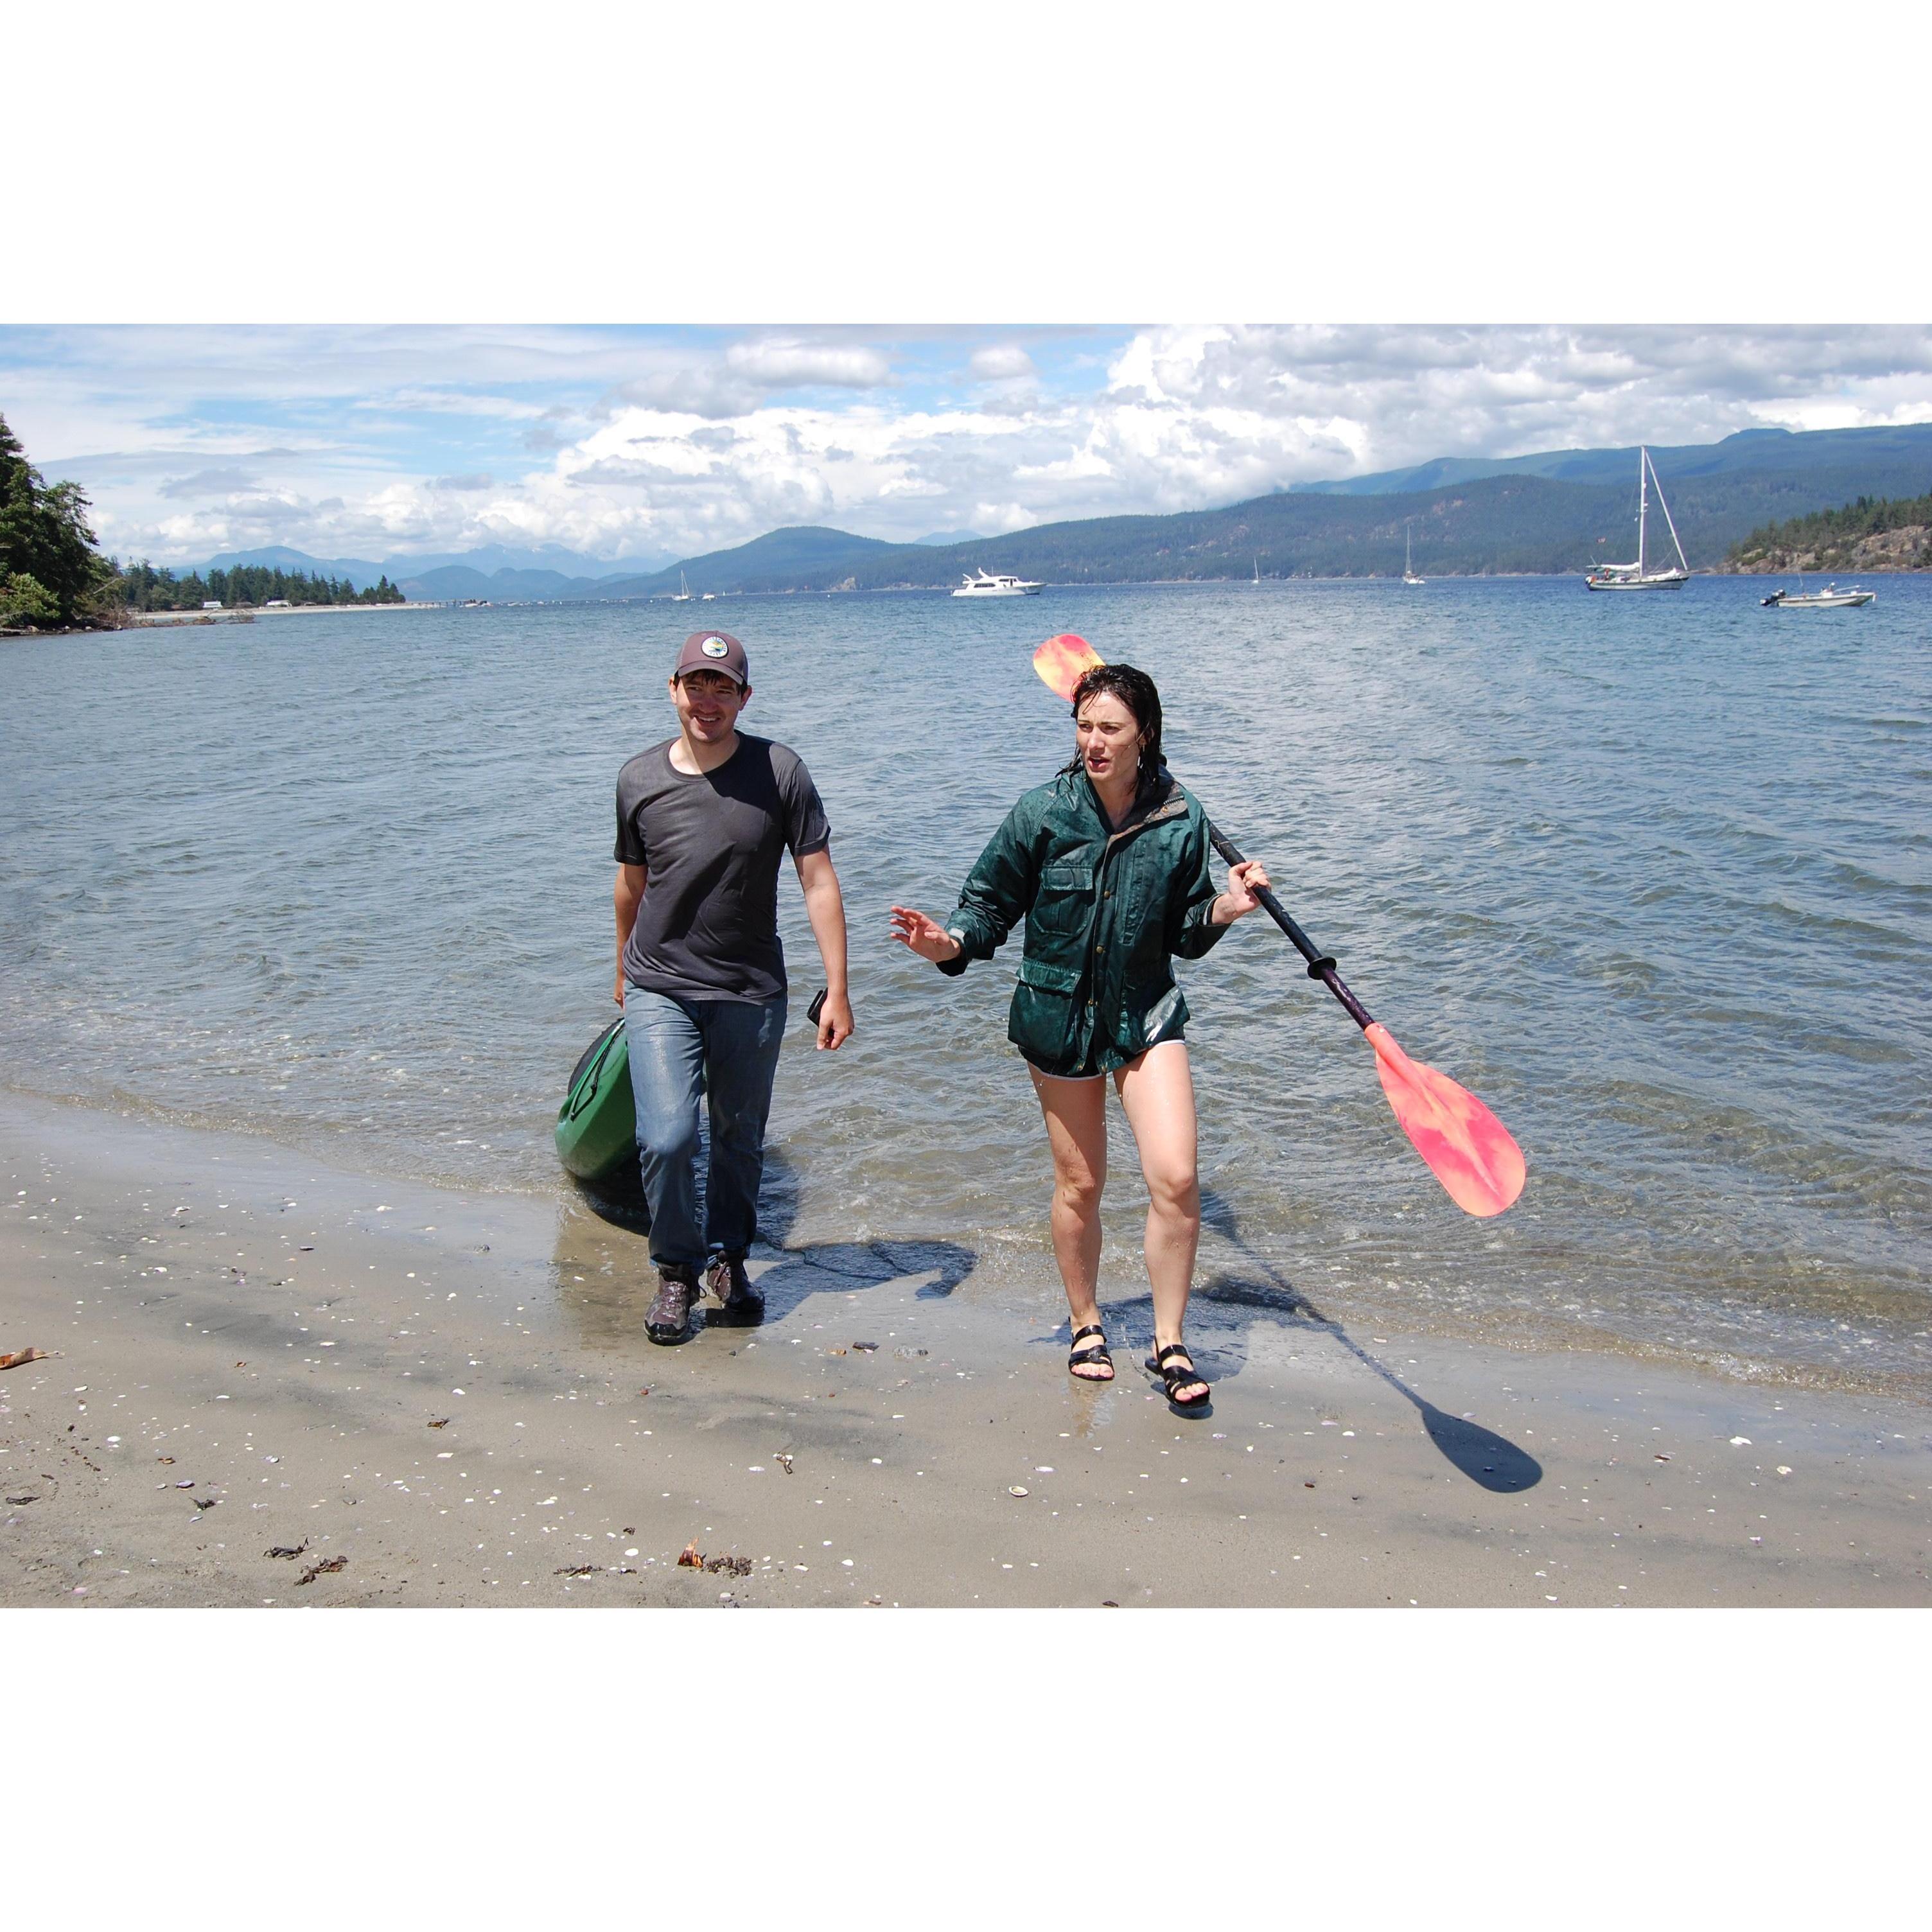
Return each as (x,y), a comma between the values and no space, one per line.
(1244,881)
(930,941)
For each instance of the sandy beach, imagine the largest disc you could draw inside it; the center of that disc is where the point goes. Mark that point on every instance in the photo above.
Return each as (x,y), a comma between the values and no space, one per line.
(428,1397)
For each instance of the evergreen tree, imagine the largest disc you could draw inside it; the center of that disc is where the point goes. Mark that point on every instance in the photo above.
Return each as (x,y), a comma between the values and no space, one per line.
(44,539)
(23,600)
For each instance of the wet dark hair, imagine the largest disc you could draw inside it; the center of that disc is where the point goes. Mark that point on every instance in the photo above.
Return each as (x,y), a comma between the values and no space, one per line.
(1136,691)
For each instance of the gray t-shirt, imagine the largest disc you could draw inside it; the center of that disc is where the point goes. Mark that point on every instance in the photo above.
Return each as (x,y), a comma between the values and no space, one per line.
(710,842)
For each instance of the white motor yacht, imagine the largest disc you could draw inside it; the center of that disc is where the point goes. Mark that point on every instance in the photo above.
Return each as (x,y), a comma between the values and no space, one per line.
(1638,576)
(980,583)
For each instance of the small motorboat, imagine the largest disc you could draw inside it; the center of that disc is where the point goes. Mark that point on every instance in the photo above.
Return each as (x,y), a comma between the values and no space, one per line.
(1829,598)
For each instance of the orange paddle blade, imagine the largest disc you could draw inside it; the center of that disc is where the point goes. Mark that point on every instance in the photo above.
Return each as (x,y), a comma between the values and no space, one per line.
(1063,660)
(1467,1149)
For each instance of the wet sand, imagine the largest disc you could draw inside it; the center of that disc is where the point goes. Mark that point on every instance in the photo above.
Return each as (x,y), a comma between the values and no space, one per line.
(448,1397)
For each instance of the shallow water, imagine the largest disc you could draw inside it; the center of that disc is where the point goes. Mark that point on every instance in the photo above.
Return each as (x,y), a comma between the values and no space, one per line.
(1652,875)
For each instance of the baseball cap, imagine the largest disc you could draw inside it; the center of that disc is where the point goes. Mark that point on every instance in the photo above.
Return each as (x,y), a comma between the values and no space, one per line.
(714,650)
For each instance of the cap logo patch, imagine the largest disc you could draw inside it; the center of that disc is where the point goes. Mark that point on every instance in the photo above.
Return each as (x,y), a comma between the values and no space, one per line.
(713,647)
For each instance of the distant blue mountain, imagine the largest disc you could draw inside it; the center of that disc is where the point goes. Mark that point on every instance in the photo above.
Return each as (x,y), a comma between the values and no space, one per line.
(552,563)
(279,556)
(450,583)
(803,554)
(778,560)
(554,557)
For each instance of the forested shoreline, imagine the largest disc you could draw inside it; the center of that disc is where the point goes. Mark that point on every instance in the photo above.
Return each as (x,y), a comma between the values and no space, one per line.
(53,577)
(246,586)
(1872,533)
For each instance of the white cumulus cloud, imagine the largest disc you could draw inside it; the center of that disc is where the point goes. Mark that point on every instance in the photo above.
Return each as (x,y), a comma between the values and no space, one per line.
(1001,362)
(788,365)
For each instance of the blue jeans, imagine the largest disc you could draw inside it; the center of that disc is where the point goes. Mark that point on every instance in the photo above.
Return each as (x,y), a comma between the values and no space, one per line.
(727,1049)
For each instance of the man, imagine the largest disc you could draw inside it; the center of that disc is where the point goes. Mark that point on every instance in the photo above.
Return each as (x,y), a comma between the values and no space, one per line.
(702,820)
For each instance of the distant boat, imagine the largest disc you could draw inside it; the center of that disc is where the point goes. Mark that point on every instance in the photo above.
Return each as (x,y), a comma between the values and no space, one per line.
(1257,569)
(683,590)
(1829,598)
(1408,575)
(710,597)
(1638,576)
(979,584)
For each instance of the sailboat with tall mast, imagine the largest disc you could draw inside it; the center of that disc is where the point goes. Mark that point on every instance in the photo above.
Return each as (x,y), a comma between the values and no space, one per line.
(1638,576)
(1408,575)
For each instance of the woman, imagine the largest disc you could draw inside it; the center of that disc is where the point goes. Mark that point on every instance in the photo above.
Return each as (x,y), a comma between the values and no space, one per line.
(1108,866)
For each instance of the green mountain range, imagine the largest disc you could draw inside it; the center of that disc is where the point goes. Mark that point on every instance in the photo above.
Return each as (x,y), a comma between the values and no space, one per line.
(1758,451)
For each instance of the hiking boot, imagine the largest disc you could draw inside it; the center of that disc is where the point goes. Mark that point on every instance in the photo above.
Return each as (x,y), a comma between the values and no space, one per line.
(668,1318)
(744,1307)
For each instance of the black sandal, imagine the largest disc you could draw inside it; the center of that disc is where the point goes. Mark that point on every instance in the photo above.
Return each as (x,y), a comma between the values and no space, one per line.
(1096,1353)
(1176,1376)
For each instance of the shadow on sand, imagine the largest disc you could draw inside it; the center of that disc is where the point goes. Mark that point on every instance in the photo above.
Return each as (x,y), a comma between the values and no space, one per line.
(605,1284)
(1491,1461)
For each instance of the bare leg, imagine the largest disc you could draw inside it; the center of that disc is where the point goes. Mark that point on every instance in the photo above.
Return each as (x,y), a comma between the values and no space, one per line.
(1076,1112)
(1157,1091)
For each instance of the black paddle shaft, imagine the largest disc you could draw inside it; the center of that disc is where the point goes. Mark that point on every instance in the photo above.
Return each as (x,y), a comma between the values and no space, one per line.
(1321,965)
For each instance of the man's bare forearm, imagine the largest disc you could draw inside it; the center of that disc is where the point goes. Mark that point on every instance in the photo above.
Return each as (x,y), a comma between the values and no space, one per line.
(825,908)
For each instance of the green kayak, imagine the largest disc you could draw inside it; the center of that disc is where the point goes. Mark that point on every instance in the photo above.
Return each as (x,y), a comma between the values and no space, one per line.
(597,1125)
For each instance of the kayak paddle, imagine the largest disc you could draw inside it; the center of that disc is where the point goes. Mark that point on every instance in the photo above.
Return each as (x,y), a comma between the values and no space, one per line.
(1467,1148)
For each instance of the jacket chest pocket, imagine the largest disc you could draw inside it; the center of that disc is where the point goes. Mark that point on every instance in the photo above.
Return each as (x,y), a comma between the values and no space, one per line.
(1065,900)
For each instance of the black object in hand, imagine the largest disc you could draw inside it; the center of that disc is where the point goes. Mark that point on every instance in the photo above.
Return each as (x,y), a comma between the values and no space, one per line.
(818,1006)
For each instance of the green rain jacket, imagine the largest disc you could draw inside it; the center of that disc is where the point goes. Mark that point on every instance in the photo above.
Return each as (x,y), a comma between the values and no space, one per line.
(1105,912)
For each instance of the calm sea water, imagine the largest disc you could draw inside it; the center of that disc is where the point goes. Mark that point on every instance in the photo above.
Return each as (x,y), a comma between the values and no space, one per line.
(1653,875)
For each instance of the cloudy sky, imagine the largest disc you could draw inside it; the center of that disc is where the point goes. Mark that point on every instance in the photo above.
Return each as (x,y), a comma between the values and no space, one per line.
(657,443)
